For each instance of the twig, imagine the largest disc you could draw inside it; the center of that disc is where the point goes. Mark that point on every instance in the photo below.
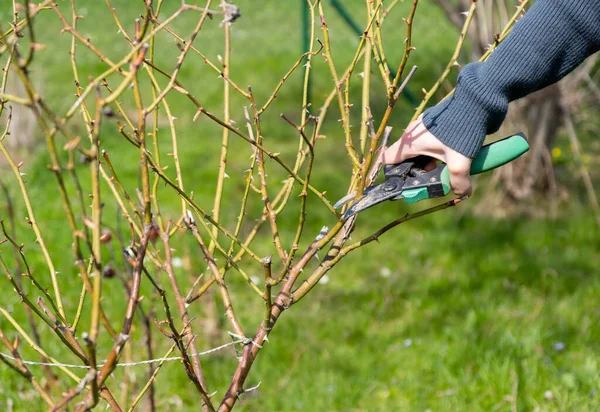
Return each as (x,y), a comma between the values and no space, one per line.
(453,62)
(331,261)
(264,191)
(405,83)
(33,223)
(188,333)
(225,133)
(209,259)
(22,370)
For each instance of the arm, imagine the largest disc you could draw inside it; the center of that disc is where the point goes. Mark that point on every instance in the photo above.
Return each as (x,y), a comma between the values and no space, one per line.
(553,38)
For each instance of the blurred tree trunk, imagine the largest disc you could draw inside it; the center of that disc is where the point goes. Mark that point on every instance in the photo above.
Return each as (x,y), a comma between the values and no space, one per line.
(23,123)
(538,115)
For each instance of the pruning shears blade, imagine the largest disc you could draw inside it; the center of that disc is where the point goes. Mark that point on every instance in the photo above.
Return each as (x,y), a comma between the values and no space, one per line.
(373,195)
(344,200)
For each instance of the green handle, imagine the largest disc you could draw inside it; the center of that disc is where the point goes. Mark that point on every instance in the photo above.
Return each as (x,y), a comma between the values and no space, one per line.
(499,153)
(490,157)
(493,155)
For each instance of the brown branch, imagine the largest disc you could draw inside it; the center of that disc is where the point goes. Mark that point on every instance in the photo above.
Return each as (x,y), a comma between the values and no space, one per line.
(188,333)
(115,353)
(337,253)
(210,260)
(22,370)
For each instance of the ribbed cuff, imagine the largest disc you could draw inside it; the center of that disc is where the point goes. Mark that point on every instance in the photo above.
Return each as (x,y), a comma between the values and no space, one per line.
(464,119)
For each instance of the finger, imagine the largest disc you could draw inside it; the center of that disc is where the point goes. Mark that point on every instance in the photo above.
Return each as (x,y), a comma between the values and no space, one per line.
(396,153)
(431,165)
(460,181)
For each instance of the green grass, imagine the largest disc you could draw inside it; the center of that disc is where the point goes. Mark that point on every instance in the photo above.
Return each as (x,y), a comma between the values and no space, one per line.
(448,312)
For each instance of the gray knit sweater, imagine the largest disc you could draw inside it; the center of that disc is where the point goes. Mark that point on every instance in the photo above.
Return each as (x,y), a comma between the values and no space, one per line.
(553,38)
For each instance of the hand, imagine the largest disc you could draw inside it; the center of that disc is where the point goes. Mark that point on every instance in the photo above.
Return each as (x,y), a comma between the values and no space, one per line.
(417,140)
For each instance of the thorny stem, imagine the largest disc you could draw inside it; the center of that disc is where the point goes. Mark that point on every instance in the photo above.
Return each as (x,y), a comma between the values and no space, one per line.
(151,380)
(56,168)
(264,192)
(18,26)
(310,144)
(238,227)
(286,298)
(76,244)
(180,60)
(65,334)
(345,120)
(189,337)
(204,217)
(79,37)
(18,272)
(407,49)
(96,250)
(453,62)
(273,155)
(35,346)
(267,293)
(155,131)
(304,110)
(34,225)
(249,172)
(281,303)
(22,370)
(273,95)
(117,22)
(207,61)
(391,99)
(113,357)
(366,86)
(99,79)
(27,268)
(334,256)
(32,43)
(506,30)
(379,37)
(503,34)
(363,40)
(210,261)
(225,132)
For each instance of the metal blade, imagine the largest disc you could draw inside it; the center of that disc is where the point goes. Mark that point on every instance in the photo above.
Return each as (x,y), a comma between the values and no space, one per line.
(373,195)
(373,172)
(344,200)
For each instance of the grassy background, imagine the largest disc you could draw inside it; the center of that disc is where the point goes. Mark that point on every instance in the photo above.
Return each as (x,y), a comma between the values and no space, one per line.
(449,312)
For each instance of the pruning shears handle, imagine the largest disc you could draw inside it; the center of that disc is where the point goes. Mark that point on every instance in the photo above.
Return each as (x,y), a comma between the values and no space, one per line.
(499,153)
(490,157)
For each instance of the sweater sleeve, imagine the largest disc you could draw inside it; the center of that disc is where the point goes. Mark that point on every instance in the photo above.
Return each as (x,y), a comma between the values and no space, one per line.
(553,38)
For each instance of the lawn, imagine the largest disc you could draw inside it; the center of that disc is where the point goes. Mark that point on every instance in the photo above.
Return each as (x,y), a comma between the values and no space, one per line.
(449,312)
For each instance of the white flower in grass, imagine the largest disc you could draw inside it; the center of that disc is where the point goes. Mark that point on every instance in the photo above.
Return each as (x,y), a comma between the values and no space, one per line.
(177,262)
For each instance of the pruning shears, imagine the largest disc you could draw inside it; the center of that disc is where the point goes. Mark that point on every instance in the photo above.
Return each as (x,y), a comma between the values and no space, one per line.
(409,181)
